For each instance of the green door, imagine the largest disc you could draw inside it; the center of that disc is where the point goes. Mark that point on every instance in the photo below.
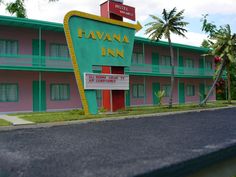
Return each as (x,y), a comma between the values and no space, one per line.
(155,62)
(38,61)
(202,91)
(181,93)
(181,65)
(155,89)
(201,66)
(39,97)
(127,97)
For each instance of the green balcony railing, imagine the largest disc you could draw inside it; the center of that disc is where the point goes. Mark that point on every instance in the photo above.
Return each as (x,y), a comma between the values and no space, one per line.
(33,62)
(38,63)
(148,69)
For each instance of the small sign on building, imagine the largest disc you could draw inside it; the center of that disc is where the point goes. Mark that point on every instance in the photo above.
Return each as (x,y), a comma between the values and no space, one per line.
(106,81)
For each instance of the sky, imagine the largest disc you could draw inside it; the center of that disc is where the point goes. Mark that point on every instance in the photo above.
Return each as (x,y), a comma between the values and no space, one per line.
(221,12)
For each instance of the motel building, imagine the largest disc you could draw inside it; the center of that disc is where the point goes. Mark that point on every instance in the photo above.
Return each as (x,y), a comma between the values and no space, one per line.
(36,72)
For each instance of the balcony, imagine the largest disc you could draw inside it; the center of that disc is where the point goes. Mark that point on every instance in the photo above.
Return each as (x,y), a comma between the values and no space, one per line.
(159,70)
(36,63)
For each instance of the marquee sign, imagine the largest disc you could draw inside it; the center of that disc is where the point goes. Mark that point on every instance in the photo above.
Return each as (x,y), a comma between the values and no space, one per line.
(106,81)
(97,41)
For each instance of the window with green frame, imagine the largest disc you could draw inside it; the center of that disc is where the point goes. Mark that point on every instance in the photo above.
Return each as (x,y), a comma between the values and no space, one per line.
(209,64)
(137,58)
(9,47)
(165,60)
(59,50)
(8,92)
(189,63)
(166,88)
(138,90)
(60,92)
(190,90)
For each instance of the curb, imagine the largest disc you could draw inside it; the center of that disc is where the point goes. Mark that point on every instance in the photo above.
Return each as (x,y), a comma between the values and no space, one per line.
(54,124)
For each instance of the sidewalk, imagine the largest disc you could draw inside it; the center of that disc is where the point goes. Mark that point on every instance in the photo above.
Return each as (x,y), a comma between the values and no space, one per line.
(15,120)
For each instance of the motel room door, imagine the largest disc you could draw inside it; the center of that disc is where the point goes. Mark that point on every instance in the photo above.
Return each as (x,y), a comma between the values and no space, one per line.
(39,96)
(127,98)
(202,91)
(181,92)
(36,60)
(155,88)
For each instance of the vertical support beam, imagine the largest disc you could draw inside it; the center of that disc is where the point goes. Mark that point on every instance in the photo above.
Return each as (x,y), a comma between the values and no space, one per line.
(144,85)
(177,70)
(40,91)
(40,74)
(40,46)
(143,53)
(204,65)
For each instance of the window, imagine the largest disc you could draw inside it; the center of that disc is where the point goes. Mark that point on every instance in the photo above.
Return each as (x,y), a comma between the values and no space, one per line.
(8,92)
(166,88)
(189,63)
(190,90)
(165,60)
(137,58)
(9,47)
(208,87)
(60,92)
(138,90)
(59,50)
(208,64)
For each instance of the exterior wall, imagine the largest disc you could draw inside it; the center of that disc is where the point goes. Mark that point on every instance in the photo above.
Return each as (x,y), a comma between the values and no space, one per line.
(25,79)
(149,80)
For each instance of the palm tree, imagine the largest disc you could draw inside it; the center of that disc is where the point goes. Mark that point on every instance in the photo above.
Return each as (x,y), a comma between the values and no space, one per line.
(223,45)
(171,22)
(17,7)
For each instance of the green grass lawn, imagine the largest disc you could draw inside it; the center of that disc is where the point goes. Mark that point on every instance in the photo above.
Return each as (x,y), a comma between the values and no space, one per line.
(4,123)
(79,115)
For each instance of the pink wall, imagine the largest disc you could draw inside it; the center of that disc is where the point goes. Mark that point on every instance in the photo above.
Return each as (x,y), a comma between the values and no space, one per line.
(163,81)
(25,79)
(25,37)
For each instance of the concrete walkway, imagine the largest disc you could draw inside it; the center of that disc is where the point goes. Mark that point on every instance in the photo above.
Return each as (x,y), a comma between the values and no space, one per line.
(15,120)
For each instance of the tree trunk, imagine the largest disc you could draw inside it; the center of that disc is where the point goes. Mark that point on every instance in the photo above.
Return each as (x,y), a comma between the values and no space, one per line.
(228,82)
(214,83)
(172,73)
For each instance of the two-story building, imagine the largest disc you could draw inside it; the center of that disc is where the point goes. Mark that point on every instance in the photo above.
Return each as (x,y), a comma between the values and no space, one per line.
(36,72)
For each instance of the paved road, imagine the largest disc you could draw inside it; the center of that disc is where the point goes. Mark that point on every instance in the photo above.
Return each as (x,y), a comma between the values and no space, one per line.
(115,148)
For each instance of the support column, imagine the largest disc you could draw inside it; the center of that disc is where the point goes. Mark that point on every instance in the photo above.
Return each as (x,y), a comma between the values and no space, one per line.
(40,74)
(113,100)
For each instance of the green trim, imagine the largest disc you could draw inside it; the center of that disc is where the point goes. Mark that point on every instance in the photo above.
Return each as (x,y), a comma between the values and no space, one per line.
(29,23)
(17,92)
(60,84)
(166,44)
(51,26)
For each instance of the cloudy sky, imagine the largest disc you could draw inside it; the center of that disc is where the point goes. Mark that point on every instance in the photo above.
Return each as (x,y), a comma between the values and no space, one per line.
(221,12)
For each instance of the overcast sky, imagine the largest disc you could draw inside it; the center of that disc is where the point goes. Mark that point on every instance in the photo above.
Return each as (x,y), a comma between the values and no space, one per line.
(221,12)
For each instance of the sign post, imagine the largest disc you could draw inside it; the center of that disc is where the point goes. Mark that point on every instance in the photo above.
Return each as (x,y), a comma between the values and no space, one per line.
(97,41)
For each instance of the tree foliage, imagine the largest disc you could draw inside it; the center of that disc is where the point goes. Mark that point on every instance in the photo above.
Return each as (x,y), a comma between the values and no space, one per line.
(17,7)
(223,45)
(171,22)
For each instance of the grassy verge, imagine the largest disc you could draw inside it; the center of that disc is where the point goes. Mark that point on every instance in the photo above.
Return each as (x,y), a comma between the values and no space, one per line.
(79,115)
(4,123)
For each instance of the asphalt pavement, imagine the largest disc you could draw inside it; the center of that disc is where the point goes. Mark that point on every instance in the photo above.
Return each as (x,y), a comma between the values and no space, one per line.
(121,148)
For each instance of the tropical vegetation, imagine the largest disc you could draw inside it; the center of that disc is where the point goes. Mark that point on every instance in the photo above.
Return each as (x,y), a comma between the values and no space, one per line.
(222,45)
(170,23)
